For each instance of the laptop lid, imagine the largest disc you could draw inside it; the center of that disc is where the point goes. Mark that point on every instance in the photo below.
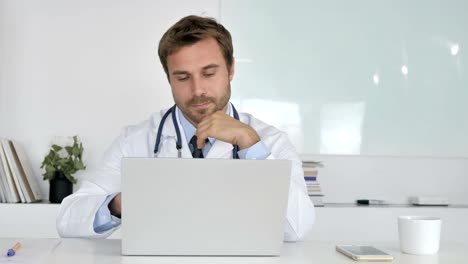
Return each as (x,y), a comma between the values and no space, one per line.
(203,206)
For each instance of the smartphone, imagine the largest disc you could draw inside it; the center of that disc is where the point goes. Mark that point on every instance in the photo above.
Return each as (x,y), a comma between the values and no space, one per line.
(364,253)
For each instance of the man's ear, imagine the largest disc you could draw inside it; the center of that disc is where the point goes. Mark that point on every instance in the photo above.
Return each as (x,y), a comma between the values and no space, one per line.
(231,71)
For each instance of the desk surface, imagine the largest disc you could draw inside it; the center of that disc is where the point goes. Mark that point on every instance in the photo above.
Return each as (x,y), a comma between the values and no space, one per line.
(108,251)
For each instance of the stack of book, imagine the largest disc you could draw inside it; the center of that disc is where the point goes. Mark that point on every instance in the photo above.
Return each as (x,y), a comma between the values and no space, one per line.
(311,170)
(17,180)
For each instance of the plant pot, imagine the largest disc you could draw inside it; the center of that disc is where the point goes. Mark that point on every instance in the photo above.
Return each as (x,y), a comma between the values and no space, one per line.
(60,187)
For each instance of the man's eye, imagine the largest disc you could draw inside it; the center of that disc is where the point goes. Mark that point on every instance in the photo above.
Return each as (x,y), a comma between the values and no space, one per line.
(183,78)
(208,75)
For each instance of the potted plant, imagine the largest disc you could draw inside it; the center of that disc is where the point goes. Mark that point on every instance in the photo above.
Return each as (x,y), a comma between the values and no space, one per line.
(59,166)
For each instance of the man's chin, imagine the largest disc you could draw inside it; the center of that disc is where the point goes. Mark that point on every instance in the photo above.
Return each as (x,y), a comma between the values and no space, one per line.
(201,114)
(206,111)
(198,116)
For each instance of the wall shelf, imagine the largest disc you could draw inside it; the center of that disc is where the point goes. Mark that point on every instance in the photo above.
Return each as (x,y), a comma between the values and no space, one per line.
(353,205)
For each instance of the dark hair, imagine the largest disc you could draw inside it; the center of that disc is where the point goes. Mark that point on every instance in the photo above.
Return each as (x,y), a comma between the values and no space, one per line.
(190,30)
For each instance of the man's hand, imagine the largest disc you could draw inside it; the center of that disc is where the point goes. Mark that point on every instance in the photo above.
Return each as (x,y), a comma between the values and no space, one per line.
(225,128)
(115,206)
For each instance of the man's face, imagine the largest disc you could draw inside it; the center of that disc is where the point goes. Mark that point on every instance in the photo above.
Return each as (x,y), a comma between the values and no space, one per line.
(199,79)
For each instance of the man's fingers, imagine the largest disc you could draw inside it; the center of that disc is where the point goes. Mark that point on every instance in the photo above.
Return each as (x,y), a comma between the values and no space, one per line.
(201,142)
(203,132)
(219,126)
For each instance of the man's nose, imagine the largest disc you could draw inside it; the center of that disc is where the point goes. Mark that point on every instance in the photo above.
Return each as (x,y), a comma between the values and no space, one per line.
(197,86)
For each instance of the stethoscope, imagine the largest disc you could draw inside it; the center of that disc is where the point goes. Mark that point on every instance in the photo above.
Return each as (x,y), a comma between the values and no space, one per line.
(172,112)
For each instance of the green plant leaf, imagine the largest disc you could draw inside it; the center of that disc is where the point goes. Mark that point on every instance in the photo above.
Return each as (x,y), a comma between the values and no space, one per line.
(81,151)
(56,148)
(79,165)
(69,150)
(69,165)
(62,163)
(76,151)
(49,171)
(51,154)
(70,178)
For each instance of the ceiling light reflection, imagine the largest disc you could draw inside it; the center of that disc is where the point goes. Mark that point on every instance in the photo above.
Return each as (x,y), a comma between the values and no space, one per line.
(376,79)
(404,70)
(454,49)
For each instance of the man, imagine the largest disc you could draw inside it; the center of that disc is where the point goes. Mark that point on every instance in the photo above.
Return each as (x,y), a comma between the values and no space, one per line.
(197,56)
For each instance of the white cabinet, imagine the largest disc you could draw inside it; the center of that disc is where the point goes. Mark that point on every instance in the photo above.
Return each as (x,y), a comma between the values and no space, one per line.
(35,220)
(334,222)
(351,223)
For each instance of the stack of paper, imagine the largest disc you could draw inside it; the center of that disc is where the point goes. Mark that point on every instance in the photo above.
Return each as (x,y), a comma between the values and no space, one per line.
(17,180)
(311,170)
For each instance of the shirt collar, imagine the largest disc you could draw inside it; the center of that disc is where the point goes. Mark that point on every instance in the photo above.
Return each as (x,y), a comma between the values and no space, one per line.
(189,129)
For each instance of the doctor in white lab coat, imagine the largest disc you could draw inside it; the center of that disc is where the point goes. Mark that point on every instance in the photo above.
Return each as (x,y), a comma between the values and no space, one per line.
(197,55)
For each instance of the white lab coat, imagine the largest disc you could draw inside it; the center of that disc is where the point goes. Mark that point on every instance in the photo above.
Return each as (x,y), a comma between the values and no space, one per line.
(77,211)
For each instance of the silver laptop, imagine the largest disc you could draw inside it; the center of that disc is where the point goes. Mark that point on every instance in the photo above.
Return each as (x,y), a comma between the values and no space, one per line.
(203,206)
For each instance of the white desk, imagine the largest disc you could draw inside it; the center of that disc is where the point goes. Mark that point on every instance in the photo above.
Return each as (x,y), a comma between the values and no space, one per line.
(108,251)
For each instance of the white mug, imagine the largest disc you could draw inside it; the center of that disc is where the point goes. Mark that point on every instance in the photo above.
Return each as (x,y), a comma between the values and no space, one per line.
(419,235)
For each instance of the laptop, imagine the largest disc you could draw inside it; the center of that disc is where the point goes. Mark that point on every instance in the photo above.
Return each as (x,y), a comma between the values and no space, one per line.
(174,206)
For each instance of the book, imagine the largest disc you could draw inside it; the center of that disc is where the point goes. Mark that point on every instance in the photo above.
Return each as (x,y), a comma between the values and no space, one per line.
(2,192)
(312,164)
(4,189)
(310,172)
(309,178)
(5,171)
(26,171)
(11,163)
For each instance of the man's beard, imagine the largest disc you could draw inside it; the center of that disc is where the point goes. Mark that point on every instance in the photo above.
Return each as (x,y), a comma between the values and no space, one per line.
(196,116)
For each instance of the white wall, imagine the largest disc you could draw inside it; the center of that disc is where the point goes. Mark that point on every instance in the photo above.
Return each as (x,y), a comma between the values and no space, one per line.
(83,67)
(91,67)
